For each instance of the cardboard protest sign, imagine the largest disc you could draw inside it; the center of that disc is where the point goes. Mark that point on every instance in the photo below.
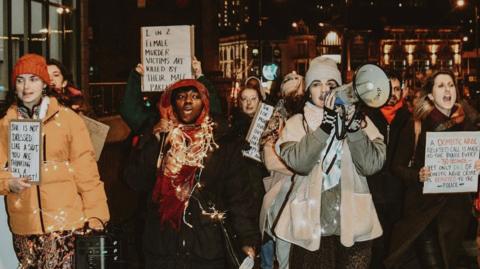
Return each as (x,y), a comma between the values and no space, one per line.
(451,157)
(167,53)
(98,134)
(25,149)
(259,122)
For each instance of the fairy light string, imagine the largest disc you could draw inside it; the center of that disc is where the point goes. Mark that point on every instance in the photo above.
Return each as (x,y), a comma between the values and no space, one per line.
(190,151)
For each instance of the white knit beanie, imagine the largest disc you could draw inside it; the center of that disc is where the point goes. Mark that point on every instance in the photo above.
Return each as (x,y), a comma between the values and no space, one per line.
(322,67)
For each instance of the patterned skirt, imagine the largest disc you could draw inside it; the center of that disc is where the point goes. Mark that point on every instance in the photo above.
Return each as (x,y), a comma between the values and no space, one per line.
(47,251)
(332,255)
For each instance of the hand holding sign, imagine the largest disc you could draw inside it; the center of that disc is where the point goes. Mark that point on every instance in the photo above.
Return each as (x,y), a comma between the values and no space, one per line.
(17,185)
(477,165)
(196,68)
(424,174)
(140,69)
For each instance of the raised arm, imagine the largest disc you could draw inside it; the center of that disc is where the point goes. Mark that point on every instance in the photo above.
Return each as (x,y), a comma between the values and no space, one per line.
(132,109)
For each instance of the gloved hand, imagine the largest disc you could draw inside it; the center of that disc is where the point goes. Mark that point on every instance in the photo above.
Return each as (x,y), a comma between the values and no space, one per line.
(357,122)
(328,121)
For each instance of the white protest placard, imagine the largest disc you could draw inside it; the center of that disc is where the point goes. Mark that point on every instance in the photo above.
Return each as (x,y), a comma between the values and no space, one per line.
(98,134)
(167,53)
(451,157)
(25,149)
(259,122)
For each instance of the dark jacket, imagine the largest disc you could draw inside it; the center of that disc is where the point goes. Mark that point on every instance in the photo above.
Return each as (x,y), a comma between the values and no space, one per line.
(234,142)
(385,187)
(450,212)
(224,185)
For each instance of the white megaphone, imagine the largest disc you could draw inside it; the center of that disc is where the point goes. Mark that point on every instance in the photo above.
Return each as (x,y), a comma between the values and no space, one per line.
(370,85)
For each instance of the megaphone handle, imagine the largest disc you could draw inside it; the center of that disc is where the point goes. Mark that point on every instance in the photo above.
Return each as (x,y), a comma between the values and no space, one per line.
(340,127)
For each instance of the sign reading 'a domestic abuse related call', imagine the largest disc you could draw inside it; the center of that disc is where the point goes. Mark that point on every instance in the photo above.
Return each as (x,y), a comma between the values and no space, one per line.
(166,55)
(25,149)
(451,157)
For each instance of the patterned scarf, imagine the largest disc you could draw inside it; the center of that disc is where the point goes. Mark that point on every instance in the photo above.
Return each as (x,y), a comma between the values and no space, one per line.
(331,155)
(38,111)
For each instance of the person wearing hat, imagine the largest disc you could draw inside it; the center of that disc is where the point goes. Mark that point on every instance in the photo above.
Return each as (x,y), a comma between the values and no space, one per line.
(44,218)
(331,219)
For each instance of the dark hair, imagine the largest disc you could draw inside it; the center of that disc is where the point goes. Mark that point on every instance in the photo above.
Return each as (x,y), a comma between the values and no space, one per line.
(67,75)
(253,83)
(393,74)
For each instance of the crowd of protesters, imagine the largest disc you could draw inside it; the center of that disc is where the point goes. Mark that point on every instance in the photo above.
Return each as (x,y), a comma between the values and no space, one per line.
(317,198)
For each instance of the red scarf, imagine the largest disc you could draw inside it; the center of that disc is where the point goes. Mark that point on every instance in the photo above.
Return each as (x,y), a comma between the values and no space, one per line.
(172,190)
(389,112)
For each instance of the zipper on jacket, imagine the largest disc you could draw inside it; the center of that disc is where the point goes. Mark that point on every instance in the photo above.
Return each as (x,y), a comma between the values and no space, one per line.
(388,134)
(38,187)
(40,209)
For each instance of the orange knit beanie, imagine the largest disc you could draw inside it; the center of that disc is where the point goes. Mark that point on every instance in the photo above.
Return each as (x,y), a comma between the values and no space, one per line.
(31,64)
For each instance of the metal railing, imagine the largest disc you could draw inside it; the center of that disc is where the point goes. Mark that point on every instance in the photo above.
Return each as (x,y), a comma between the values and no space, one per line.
(105,97)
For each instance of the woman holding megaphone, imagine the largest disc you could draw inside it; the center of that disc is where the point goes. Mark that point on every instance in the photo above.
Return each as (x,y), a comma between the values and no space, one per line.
(433,226)
(331,218)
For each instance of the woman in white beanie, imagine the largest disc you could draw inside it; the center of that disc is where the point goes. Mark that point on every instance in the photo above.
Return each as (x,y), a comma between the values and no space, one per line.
(329,201)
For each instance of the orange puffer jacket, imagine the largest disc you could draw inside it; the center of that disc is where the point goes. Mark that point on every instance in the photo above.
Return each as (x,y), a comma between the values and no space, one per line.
(70,190)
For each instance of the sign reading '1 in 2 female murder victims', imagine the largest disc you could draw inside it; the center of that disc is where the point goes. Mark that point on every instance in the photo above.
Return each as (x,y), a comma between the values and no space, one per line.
(166,55)
(451,158)
(25,149)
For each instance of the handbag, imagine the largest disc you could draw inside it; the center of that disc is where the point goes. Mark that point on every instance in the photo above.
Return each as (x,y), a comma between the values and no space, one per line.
(97,249)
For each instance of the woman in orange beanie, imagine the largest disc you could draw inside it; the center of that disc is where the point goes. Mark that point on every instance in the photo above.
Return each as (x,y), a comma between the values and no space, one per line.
(44,218)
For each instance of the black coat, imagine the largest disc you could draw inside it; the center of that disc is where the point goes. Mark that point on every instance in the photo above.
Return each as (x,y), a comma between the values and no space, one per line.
(451,212)
(224,185)
(385,187)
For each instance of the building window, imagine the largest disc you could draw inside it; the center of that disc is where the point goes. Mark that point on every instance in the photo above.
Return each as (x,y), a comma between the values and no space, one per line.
(302,50)
(301,67)
(3,52)
(45,27)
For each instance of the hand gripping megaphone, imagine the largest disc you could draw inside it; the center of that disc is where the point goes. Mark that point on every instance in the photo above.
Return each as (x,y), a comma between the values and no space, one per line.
(370,85)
